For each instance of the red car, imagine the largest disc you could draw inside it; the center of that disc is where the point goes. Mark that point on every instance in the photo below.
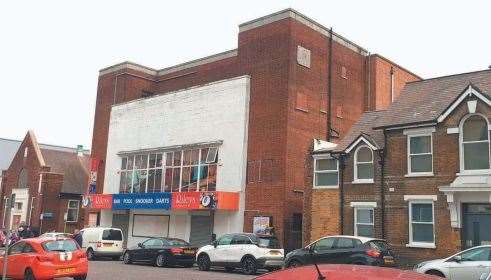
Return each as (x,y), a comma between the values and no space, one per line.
(345,272)
(46,258)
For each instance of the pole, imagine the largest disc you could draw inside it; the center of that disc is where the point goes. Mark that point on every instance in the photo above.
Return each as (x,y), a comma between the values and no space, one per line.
(7,245)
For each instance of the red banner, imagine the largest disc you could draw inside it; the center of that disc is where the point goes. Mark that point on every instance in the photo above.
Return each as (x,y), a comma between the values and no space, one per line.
(205,200)
(98,201)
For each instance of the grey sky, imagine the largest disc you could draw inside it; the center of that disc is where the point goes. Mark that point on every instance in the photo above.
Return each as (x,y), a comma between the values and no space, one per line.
(51,51)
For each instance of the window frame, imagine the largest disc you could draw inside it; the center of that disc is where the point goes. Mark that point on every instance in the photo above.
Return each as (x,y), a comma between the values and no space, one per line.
(461,146)
(356,180)
(419,244)
(410,173)
(315,171)
(356,223)
(68,208)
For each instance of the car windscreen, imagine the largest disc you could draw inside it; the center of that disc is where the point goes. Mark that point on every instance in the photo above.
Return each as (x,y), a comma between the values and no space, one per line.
(268,242)
(379,245)
(112,234)
(176,242)
(65,245)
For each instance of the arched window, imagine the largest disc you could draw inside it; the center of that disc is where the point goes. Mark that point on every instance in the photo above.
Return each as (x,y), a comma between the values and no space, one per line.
(22,181)
(363,164)
(474,143)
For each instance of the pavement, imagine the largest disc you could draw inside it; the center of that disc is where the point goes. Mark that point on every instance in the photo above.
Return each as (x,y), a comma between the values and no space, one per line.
(109,270)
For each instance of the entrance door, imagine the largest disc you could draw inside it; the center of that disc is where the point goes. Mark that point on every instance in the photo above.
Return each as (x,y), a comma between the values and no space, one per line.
(201,230)
(476,225)
(121,221)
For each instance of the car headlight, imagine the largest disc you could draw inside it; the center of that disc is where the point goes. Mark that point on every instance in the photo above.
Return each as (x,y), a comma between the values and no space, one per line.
(419,265)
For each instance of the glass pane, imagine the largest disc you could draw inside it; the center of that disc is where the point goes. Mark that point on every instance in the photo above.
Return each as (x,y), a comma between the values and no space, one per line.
(159,160)
(152,160)
(71,215)
(186,176)
(194,157)
(365,171)
(138,162)
(345,243)
(168,159)
(204,153)
(364,230)
(144,163)
(423,233)
(177,158)
(476,156)
(211,157)
(420,144)
(422,212)
(326,179)
(151,180)
(158,180)
(364,216)
(324,244)
(73,204)
(212,177)
(123,182)
(364,154)
(475,129)
(143,181)
(421,163)
(176,179)
(476,255)
(325,164)
(187,157)
(130,163)
(124,162)
(168,180)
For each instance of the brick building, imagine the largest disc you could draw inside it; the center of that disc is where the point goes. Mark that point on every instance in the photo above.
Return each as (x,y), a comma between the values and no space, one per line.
(48,182)
(416,174)
(304,82)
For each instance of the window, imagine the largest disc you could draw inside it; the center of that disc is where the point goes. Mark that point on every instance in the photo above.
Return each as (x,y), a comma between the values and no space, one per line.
(241,239)
(72,211)
(346,243)
(112,234)
(325,172)
(420,154)
(474,143)
(18,206)
(477,255)
(22,180)
(363,165)
(364,225)
(28,249)
(64,245)
(16,248)
(225,240)
(173,171)
(297,222)
(421,226)
(153,243)
(324,244)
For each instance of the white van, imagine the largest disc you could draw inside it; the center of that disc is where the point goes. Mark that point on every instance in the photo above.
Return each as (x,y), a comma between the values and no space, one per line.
(102,242)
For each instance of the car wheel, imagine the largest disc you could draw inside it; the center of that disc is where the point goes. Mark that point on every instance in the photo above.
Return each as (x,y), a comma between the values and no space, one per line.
(229,269)
(204,263)
(249,265)
(90,254)
(29,275)
(294,263)
(127,258)
(435,273)
(162,260)
(80,277)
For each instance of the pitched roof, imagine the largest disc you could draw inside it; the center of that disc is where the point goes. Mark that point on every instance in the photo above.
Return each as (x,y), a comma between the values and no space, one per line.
(364,128)
(75,168)
(424,101)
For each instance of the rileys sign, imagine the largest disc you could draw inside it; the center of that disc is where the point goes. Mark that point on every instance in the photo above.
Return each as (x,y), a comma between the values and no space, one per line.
(97,201)
(142,201)
(205,200)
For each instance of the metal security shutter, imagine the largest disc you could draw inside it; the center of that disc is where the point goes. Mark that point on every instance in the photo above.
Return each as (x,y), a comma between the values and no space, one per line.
(121,221)
(201,230)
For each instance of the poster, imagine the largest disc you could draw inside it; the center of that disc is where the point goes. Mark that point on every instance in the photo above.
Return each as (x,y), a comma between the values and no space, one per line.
(261,225)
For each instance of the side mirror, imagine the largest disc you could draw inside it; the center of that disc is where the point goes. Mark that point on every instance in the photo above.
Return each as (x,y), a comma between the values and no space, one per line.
(140,245)
(457,259)
(310,249)
(215,243)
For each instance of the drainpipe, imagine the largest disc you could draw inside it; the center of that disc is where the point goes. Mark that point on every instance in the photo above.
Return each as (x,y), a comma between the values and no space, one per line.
(392,84)
(329,92)
(369,84)
(341,158)
(383,157)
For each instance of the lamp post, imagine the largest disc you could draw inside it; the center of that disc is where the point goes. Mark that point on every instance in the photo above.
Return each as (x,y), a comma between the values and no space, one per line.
(7,245)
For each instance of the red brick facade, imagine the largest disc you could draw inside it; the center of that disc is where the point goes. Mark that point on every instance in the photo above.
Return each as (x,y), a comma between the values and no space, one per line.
(288,107)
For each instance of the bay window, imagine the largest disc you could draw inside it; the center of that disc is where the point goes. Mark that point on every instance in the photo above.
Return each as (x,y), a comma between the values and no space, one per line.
(326,172)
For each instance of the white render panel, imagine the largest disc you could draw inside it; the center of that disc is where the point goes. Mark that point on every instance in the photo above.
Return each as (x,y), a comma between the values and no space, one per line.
(217,111)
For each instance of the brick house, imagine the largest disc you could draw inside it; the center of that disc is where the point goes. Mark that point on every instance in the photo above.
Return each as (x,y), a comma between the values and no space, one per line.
(415,174)
(48,182)
(305,82)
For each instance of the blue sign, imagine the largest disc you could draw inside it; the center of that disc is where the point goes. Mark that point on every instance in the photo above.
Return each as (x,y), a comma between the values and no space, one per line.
(142,201)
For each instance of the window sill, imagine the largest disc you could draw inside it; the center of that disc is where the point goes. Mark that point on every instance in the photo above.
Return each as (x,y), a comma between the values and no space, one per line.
(421,245)
(421,174)
(363,181)
(325,187)
(474,172)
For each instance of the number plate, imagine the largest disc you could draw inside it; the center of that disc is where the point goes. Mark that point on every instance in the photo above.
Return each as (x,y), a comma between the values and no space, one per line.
(65,270)
(388,260)
(189,252)
(275,253)
(108,244)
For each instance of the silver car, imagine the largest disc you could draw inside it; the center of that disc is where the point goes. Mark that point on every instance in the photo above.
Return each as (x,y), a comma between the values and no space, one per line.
(471,264)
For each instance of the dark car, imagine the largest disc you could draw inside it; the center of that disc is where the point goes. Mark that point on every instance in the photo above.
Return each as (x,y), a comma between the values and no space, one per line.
(345,272)
(162,252)
(343,250)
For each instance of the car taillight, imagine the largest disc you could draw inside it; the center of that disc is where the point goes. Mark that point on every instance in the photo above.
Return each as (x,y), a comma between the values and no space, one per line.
(373,253)
(177,251)
(45,258)
(99,244)
(81,254)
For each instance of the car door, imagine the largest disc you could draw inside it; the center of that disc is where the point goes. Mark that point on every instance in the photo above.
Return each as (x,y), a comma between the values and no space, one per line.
(220,253)
(138,253)
(323,251)
(470,264)
(241,245)
(15,263)
(346,248)
(152,249)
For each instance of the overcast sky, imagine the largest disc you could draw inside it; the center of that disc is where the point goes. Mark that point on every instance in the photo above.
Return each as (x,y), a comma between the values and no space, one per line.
(51,51)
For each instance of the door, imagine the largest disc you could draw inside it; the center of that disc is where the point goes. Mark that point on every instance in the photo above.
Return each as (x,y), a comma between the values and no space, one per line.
(139,252)
(121,221)
(241,244)
(324,250)
(201,230)
(15,263)
(221,253)
(471,264)
(151,249)
(345,249)
(476,225)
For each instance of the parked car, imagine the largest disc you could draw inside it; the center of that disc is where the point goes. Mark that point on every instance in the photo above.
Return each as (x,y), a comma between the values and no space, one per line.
(55,235)
(162,252)
(46,258)
(345,272)
(102,242)
(472,263)
(247,251)
(343,249)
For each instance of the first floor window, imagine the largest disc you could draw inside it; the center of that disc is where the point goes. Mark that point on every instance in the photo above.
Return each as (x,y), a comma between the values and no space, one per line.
(420,154)
(421,223)
(325,172)
(364,225)
(72,211)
